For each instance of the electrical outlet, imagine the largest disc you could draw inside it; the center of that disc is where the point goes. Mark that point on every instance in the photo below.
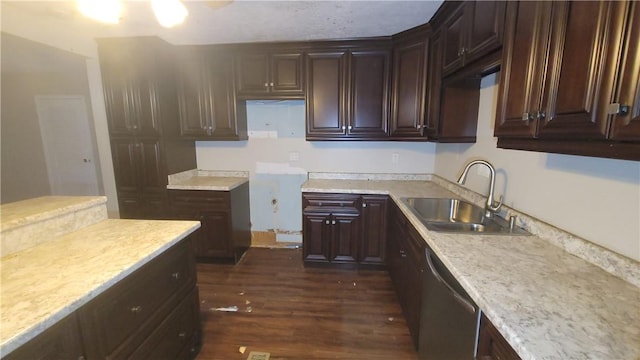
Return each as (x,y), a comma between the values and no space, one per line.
(395,157)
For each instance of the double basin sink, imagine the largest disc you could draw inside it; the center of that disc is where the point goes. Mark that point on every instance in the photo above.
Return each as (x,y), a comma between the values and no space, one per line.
(459,216)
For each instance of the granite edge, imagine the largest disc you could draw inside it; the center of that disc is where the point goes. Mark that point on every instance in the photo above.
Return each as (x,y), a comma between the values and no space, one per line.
(367,176)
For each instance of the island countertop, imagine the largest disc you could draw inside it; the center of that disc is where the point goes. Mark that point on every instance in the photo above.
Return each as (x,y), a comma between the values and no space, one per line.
(545,301)
(43,284)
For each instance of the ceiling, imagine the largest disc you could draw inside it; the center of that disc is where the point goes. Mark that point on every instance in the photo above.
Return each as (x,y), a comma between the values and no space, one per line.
(211,22)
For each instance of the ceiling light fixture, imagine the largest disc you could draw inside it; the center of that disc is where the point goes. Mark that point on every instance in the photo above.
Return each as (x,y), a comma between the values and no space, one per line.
(106,11)
(169,12)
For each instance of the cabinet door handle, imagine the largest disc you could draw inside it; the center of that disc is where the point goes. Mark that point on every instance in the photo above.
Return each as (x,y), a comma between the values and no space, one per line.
(403,254)
(182,334)
(271,84)
(344,127)
(527,116)
(618,109)
(136,309)
(349,127)
(175,275)
(266,84)
(540,115)
(364,204)
(419,127)
(333,222)
(327,221)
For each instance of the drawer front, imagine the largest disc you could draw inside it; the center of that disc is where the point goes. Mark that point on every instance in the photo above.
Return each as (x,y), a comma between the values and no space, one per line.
(178,335)
(319,201)
(208,199)
(118,314)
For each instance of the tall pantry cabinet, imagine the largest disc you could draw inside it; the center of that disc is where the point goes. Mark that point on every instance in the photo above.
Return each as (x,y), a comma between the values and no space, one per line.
(142,115)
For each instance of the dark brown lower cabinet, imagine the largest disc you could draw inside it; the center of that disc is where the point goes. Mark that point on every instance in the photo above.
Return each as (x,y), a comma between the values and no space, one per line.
(491,344)
(346,230)
(225,232)
(153,313)
(405,253)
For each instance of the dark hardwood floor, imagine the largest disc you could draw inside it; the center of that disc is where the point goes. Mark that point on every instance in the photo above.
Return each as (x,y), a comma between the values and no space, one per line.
(294,312)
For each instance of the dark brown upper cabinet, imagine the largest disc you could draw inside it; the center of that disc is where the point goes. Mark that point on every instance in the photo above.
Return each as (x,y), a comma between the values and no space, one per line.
(138,86)
(270,74)
(348,92)
(410,56)
(208,108)
(473,30)
(563,78)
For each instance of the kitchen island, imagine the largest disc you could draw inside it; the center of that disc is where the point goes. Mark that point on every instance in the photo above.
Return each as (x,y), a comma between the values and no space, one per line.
(538,291)
(63,275)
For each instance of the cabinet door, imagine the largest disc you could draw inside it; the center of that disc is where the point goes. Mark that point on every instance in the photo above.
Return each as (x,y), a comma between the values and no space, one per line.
(627,127)
(61,341)
(486,25)
(345,229)
(432,113)
(374,230)
(286,75)
(583,57)
(216,238)
(326,89)
(126,164)
(153,176)
(316,237)
(252,74)
(523,68)
(228,120)
(194,94)
(118,100)
(369,94)
(409,86)
(454,38)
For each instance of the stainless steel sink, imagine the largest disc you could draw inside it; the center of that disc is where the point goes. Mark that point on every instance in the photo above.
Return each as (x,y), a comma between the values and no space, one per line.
(459,216)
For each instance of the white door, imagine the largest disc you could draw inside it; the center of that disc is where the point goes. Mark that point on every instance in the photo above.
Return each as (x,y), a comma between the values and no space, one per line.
(68,145)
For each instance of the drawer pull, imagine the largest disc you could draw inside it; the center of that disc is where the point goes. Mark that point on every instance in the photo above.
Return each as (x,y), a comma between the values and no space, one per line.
(175,275)
(136,309)
(403,254)
(182,334)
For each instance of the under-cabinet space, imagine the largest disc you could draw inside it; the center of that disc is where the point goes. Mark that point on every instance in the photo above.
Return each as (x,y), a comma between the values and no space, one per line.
(225,232)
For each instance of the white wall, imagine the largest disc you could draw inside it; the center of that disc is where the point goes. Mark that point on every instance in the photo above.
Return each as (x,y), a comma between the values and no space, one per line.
(56,33)
(596,199)
(275,176)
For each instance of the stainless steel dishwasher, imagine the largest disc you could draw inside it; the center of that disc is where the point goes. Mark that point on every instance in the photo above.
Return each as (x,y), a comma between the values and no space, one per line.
(449,318)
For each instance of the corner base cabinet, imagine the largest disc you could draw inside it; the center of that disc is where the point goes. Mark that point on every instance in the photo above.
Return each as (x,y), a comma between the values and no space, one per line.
(225,232)
(151,314)
(344,230)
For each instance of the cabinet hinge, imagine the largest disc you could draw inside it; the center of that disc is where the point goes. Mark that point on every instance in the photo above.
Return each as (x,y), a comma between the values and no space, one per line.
(617,109)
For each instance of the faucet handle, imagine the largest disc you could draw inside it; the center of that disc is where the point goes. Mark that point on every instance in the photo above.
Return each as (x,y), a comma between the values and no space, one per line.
(496,208)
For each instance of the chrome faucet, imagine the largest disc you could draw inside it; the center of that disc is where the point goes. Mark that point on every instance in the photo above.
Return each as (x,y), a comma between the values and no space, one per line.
(490,207)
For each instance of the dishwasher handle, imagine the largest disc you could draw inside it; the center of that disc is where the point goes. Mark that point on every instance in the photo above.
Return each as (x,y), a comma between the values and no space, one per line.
(464,302)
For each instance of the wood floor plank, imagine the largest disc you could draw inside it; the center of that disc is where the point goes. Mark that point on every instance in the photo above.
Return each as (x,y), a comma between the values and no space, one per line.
(293,312)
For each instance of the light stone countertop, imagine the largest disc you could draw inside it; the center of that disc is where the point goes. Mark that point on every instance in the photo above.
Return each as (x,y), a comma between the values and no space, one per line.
(29,211)
(43,284)
(546,302)
(207,180)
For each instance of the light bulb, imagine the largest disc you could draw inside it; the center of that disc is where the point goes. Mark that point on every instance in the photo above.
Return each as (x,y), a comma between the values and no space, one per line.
(169,12)
(106,11)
